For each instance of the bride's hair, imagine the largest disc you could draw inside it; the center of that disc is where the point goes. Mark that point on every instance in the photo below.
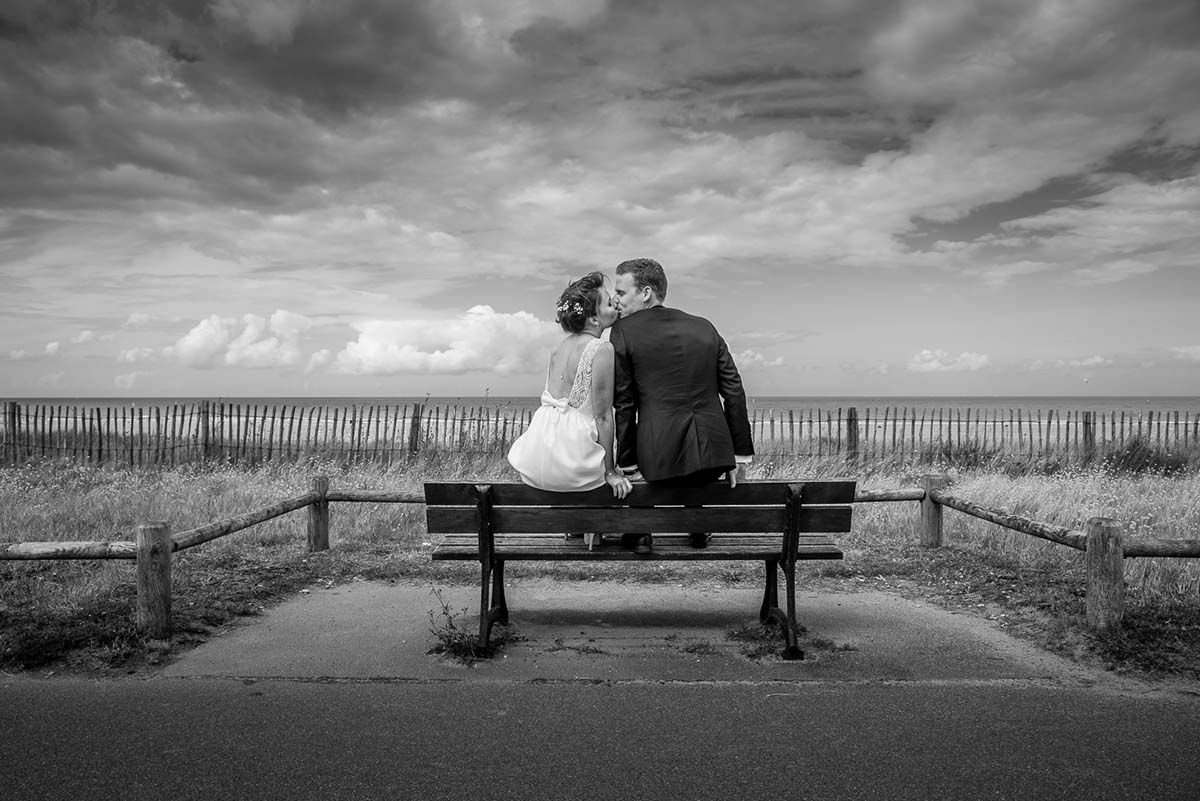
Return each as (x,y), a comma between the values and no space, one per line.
(579,301)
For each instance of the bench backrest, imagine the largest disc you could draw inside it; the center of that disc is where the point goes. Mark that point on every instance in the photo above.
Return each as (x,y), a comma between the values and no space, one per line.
(751,507)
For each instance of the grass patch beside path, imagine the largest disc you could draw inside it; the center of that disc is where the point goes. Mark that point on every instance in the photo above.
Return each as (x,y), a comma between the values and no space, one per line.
(78,616)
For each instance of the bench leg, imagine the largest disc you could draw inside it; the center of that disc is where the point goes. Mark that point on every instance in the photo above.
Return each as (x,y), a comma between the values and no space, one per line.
(485,617)
(771,593)
(790,628)
(499,610)
(495,609)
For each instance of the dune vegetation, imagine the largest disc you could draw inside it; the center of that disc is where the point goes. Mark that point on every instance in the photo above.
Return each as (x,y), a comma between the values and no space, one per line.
(77,615)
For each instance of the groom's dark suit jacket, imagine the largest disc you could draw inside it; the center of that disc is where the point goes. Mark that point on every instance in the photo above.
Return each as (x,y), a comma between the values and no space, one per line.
(672,373)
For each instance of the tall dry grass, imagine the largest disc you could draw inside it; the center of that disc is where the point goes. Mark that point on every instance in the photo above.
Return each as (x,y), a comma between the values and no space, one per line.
(50,502)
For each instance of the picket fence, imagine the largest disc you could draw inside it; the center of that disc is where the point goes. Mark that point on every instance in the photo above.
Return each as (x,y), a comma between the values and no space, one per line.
(179,433)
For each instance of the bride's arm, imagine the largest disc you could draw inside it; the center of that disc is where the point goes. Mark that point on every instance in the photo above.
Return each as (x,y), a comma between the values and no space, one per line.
(602,411)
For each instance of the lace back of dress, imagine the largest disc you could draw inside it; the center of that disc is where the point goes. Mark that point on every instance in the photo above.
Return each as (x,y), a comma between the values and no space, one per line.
(581,389)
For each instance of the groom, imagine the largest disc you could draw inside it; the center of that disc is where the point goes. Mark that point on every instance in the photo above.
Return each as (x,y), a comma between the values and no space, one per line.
(678,400)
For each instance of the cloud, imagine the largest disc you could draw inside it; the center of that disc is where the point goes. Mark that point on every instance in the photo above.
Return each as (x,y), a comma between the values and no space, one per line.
(18,355)
(268,343)
(126,380)
(939,361)
(203,345)
(134,355)
(52,348)
(1061,364)
(481,340)
(1188,352)
(1090,361)
(750,358)
(269,22)
(318,360)
(273,342)
(417,151)
(83,336)
(770,337)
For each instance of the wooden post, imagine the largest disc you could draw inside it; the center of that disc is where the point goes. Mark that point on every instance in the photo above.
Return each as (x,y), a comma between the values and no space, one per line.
(931,512)
(11,413)
(852,434)
(414,428)
(1105,560)
(1089,438)
(205,431)
(318,517)
(154,580)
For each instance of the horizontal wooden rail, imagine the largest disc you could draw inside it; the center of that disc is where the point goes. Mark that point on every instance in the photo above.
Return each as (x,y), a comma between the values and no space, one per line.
(68,550)
(902,494)
(196,536)
(1047,531)
(1155,546)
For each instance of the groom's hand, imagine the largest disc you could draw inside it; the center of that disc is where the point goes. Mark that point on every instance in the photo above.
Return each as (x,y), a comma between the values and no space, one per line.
(736,473)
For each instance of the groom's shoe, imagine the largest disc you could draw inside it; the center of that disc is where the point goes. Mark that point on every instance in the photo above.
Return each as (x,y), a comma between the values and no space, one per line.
(638,543)
(699,540)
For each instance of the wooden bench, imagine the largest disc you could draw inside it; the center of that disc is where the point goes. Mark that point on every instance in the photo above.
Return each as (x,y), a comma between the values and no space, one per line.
(778,523)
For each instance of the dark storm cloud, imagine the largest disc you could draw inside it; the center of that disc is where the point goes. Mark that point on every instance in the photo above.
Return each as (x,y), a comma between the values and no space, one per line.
(225,101)
(326,57)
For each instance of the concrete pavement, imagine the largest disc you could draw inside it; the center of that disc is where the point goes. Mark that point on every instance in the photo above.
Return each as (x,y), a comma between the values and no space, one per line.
(592,631)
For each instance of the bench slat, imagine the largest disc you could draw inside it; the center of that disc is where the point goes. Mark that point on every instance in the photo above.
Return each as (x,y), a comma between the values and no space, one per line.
(463,547)
(549,520)
(754,493)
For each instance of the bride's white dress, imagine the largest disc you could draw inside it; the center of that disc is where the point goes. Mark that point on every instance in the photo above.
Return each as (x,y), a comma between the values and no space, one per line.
(560,450)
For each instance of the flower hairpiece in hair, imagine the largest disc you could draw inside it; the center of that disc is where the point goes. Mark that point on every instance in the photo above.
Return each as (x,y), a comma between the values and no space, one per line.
(564,306)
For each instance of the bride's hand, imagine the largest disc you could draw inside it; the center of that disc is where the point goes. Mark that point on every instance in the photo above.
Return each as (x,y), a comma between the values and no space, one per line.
(621,486)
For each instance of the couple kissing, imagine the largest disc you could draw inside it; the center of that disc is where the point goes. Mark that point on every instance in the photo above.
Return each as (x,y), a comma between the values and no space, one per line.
(661,400)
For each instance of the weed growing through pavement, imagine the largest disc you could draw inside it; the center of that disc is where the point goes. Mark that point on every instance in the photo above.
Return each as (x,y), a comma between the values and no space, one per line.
(457,638)
(758,641)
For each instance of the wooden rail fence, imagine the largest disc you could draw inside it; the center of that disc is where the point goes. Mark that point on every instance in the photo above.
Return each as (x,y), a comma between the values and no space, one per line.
(1102,543)
(249,433)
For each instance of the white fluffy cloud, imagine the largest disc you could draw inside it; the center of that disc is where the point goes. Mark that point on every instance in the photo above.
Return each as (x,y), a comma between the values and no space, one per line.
(262,342)
(52,348)
(133,355)
(753,358)
(481,340)
(319,360)
(1189,352)
(939,361)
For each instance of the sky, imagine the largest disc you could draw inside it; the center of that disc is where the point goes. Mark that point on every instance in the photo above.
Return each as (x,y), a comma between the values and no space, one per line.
(382,198)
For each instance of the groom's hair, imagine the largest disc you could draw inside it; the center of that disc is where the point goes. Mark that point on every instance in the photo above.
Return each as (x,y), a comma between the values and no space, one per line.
(579,301)
(646,272)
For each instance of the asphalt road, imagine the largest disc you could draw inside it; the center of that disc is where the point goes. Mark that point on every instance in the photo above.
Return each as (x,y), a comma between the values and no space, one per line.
(625,692)
(279,739)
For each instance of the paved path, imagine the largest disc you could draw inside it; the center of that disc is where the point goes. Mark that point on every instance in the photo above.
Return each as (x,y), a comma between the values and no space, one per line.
(332,696)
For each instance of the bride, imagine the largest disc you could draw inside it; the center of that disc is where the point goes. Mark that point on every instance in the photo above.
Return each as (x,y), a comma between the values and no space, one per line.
(568,445)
